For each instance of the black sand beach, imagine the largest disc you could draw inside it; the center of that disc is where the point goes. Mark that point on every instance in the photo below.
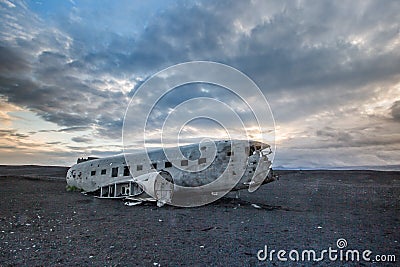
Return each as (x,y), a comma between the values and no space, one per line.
(41,224)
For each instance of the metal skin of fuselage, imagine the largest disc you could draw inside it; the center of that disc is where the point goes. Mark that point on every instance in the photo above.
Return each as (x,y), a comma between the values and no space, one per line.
(245,164)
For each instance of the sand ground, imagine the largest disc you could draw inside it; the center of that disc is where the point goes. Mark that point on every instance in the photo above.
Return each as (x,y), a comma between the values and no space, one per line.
(43,224)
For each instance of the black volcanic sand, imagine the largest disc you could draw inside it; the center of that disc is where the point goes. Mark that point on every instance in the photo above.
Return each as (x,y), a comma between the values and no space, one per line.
(43,224)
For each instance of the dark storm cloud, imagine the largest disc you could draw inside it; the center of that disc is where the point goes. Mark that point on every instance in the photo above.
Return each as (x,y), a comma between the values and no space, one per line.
(11,62)
(353,137)
(307,57)
(287,51)
(54,143)
(67,130)
(304,47)
(6,132)
(73,129)
(179,33)
(20,135)
(395,111)
(306,51)
(312,46)
(80,139)
(40,75)
(8,147)
(58,95)
(340,136)
(12,133)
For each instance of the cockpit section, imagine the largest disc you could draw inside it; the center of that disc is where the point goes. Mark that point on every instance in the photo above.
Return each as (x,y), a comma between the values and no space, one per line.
(255,146)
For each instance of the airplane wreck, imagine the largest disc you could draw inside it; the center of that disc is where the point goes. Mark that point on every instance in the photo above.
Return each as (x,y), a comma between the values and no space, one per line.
(190,175)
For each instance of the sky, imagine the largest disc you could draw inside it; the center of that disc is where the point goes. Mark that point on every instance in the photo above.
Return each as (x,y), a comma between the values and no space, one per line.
(330,71)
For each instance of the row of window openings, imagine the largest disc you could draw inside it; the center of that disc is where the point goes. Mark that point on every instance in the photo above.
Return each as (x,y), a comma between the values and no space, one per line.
(167,164)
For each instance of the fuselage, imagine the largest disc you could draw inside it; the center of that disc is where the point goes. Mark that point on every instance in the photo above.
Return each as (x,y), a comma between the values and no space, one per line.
(196,165)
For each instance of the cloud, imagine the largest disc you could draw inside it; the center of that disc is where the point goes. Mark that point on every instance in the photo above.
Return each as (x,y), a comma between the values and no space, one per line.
(8,3)
(278,51)
(6,132)
(73,129)
(41,76)
(11,62)
(326,68)
(344,139)
(395,111)
(6,109)
(12,133)
(339,136)
(80,139)
(62,98)
(54,143)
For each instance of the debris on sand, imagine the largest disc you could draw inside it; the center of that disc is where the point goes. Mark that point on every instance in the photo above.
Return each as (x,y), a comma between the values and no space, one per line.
(208,229)
(131,203)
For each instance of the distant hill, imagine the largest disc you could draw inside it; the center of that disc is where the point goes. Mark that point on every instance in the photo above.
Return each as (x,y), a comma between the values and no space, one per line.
(372,168)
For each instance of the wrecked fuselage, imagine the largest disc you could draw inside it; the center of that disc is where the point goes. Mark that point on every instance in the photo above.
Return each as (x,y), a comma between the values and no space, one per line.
(172,175)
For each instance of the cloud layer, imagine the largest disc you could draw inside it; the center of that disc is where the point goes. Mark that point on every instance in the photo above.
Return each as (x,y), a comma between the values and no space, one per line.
(330,71)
